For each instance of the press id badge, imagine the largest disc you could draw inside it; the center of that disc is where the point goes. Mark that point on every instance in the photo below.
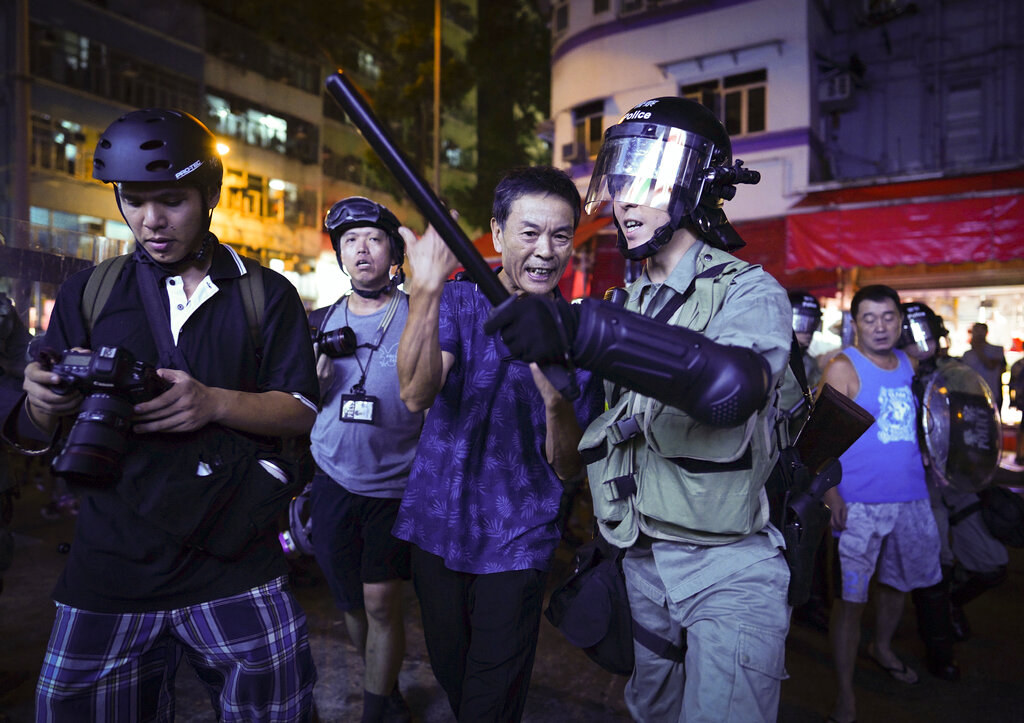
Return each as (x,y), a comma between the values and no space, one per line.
(359,408)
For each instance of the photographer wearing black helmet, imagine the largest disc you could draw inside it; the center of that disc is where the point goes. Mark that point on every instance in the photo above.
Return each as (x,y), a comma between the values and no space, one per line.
(677,464)
(175,552)
(363,442)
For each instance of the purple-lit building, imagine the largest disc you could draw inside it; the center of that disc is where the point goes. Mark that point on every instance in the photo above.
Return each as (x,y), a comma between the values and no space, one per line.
(889,136)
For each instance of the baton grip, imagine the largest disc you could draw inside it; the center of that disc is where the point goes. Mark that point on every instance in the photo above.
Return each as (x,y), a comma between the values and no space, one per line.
(352,102)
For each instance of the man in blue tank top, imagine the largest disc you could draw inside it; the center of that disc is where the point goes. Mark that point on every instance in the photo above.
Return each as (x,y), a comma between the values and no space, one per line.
(880,510)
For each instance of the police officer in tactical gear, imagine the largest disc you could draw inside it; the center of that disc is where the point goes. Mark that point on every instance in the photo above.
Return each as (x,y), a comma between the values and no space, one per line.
(973,561)
(677,464)
(806,321)
(165,560)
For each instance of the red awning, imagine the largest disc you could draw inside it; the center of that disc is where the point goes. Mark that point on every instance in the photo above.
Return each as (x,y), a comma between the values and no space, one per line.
(766,246)
(955,231)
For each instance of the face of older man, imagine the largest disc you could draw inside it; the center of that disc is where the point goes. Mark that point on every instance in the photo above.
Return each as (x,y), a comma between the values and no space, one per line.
(535,243)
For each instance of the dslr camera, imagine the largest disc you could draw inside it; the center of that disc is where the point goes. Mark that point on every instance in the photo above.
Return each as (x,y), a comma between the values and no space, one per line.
(113,382)
(336,343)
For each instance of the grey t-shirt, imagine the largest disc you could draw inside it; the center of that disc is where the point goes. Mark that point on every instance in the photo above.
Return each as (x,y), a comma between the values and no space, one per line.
(368,459)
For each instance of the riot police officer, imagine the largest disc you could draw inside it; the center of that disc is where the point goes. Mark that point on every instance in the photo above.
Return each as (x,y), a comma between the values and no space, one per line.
(678,463)
(972,560)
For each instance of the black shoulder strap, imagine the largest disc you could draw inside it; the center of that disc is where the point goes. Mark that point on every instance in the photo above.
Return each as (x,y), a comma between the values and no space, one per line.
(98,288)
(254,301)
(317,317)
(796,363)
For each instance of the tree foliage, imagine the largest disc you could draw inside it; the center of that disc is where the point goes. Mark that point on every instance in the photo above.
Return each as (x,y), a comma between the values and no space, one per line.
(507,61)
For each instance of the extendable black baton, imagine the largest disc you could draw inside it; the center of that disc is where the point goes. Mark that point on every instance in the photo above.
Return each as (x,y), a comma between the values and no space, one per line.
(352,102)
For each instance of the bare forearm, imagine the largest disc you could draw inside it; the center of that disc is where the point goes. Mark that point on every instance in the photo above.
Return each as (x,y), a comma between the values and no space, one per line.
(420,365)
(562,440)
(274,414)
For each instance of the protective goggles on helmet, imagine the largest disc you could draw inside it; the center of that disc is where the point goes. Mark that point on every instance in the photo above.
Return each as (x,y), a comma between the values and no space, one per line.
(651,165)
(358,211)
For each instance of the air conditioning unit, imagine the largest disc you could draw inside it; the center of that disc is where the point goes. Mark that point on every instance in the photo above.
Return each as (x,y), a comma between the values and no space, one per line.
(837,88)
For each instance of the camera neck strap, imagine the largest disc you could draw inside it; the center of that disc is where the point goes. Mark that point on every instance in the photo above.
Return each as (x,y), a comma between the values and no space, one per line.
(382,328)
(153,295)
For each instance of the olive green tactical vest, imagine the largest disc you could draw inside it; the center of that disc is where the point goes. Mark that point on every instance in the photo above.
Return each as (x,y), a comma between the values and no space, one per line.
(694,483)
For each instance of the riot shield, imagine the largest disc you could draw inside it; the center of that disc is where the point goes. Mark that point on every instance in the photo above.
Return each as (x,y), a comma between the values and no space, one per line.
(960,428)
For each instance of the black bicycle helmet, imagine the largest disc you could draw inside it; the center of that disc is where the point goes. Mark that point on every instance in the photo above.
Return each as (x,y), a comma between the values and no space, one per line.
(158,145)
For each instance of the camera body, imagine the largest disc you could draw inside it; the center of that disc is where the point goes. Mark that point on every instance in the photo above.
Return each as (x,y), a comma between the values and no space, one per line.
(336,343)
(113,382)
(109,370)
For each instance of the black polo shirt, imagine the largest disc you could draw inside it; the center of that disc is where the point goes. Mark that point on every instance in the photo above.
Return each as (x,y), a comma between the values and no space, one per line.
(119,561)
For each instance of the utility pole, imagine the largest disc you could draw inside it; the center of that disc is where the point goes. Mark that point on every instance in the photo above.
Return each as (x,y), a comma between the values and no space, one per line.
(437,97)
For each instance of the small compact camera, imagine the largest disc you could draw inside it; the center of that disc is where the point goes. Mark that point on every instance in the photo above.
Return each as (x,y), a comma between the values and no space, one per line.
(113,382)
(336,343)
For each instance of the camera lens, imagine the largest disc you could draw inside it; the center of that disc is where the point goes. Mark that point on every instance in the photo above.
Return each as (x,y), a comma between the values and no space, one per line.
(338,343)
(97,441)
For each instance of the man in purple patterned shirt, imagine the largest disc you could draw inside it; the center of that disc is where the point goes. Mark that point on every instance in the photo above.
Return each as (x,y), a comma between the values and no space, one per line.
(481,505)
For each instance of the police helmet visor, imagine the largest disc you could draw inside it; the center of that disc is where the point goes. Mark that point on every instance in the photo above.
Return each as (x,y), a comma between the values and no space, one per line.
(917,332)
(651,165)
(805,322)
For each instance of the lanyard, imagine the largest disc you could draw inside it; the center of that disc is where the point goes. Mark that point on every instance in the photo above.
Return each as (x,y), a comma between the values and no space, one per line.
(382,328)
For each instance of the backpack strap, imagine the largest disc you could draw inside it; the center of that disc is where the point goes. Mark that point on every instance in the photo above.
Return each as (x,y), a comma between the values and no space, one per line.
(253,301)
(98,288)
(101,283)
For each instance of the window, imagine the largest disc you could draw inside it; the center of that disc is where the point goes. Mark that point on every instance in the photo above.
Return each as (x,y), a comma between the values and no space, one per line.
(559,17)
(240,47)
(79,62)
(59,145)
(453,155)
(739,101)
(965,124)
(255,126)
(601,6)
(588,127)
(628,7)
(368,64)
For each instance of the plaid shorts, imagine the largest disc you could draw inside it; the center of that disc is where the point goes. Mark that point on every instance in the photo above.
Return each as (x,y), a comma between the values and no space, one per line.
(898,540)
(250,651)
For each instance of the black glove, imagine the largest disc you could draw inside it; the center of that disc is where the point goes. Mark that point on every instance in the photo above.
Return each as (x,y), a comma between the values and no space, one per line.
(535,327)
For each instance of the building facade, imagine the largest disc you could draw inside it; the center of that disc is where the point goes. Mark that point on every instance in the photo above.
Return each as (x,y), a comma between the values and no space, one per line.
(889,135)
(73,66)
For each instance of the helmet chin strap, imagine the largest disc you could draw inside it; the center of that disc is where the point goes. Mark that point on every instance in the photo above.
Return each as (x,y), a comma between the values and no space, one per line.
(650,247)
(393,283)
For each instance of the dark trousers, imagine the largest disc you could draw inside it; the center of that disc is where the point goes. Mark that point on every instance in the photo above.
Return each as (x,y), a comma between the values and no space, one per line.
(481,634)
